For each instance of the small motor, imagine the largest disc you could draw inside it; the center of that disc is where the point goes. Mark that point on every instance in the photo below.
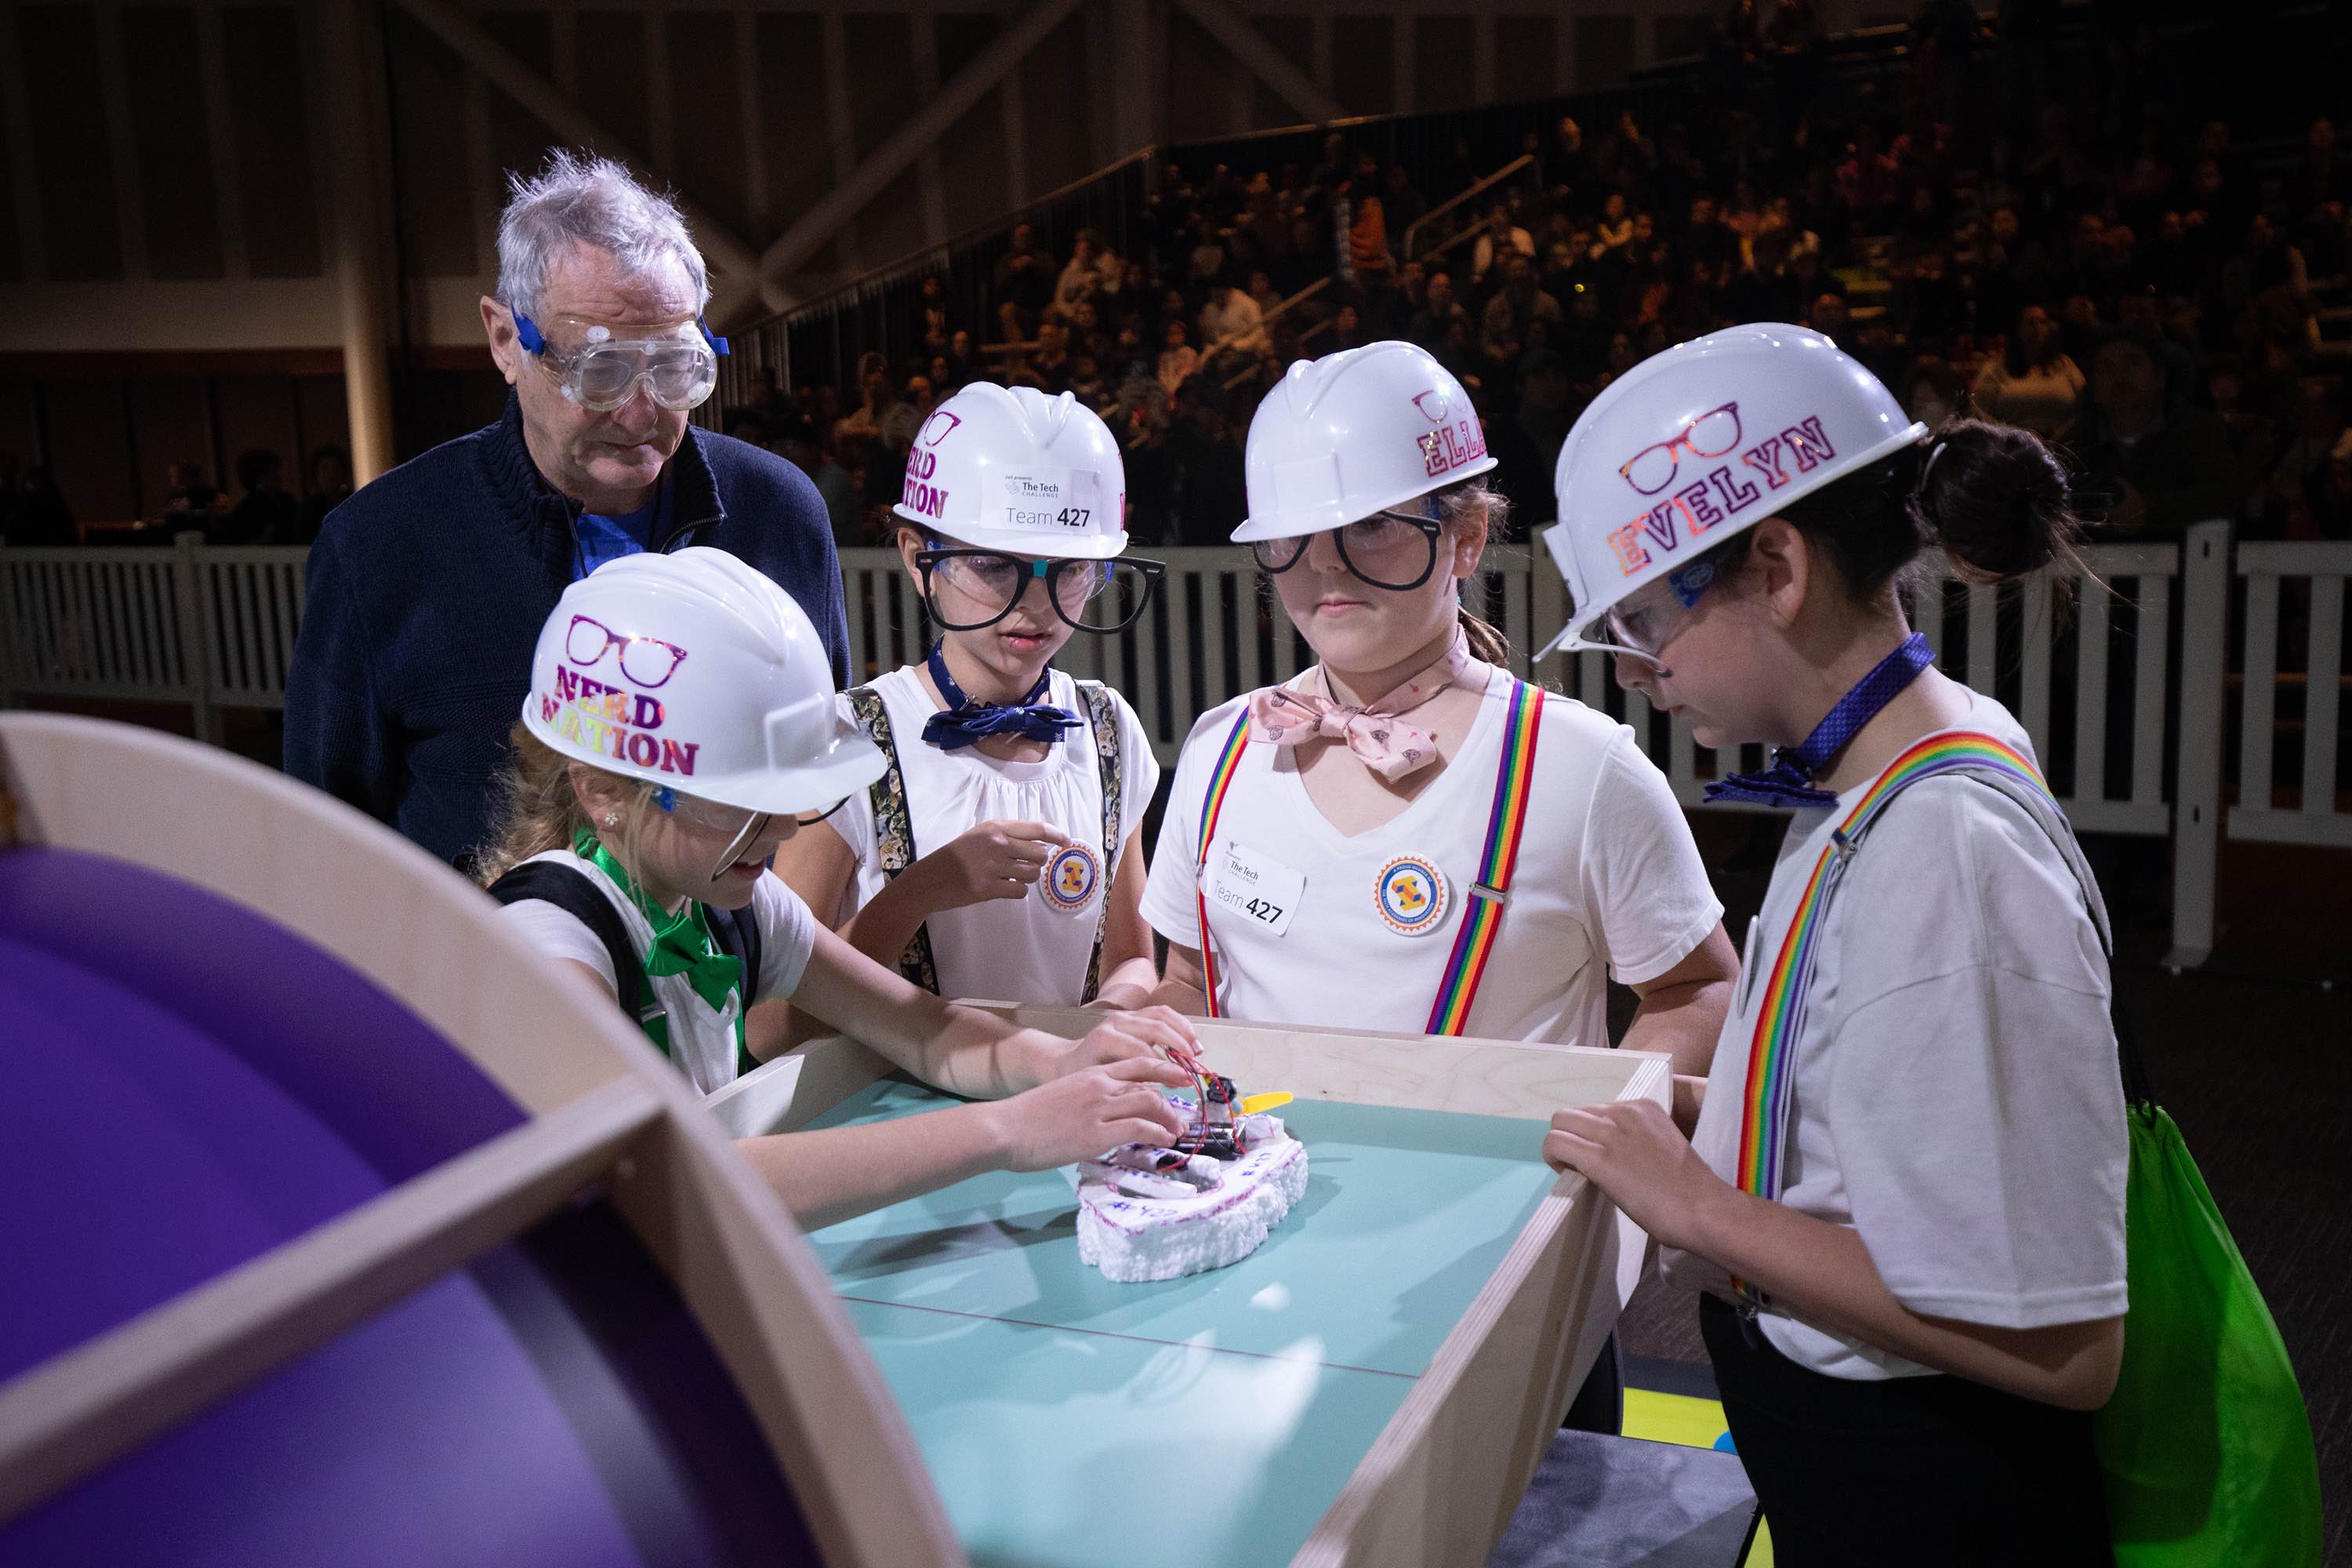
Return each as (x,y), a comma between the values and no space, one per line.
(1216,1136)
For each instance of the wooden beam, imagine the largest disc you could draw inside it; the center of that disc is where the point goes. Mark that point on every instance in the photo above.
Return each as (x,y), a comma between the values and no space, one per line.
(840,129)
(75,1412)
(1272,67)
(536,94)
(809,233)
(748,104)
(114,92)
(23,175)
(220,136)
(923,40)
(356,135)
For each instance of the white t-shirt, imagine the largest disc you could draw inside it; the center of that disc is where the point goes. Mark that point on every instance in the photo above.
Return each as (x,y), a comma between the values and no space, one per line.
(1003,950)
(1956,1100)
(1607,873)
(702,1041)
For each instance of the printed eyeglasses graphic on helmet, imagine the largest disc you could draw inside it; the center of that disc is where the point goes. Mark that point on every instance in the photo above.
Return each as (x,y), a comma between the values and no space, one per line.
(1711,434)
(985,586)
(1391,550)
(647,661)
(678,364)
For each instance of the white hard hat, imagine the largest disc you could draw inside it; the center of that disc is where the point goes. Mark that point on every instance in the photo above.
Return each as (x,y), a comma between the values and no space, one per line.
(696,671)
(1354,432)
(1693,445)
(1016,469)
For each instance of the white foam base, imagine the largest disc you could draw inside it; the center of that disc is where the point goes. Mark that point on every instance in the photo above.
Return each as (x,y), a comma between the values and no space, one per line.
(1132,1239)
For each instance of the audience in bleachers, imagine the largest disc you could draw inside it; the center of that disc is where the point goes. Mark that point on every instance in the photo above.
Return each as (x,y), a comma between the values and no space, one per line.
(2055,249)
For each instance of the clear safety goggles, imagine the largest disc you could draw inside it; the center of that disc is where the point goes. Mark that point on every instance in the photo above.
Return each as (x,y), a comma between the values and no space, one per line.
(741,826)
(678,364)
(1644,622)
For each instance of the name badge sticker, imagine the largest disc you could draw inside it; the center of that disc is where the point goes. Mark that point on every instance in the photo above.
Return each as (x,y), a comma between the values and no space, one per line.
(1256,887)
(1043,501)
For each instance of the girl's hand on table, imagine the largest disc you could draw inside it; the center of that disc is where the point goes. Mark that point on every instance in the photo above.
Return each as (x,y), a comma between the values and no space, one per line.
(1632,1151)
(1146,1034)
(1082,1114)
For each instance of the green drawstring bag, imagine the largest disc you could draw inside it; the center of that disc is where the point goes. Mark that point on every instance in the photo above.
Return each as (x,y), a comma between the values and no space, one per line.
(2205,1444)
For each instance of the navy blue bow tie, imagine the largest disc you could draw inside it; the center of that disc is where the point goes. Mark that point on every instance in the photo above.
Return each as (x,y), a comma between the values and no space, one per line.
(965,722)
(1790,780)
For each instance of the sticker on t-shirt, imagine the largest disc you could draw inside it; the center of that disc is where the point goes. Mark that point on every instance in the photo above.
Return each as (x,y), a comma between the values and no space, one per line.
(1410,893)
(1256,887)
(1045,500)
(1070,879)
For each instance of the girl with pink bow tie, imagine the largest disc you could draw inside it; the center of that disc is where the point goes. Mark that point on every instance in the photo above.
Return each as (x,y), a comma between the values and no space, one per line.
(1404,837)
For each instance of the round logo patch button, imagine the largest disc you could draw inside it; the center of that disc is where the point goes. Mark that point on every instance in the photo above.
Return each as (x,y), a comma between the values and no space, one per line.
(1410,893)
(1070,879)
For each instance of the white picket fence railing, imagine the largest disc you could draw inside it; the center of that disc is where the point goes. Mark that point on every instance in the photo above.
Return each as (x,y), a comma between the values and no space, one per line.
(2124,683)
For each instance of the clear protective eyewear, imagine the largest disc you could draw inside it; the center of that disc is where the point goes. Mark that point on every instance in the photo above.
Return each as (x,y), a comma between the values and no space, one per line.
(985,586)
(1644,622)
(739,823)
(1391,550)
(677,366)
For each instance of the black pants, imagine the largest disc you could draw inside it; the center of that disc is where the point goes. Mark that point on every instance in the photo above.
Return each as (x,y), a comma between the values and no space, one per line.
(1914,1470)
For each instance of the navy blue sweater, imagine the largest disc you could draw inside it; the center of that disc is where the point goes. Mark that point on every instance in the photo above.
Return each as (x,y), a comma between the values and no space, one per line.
(426,591)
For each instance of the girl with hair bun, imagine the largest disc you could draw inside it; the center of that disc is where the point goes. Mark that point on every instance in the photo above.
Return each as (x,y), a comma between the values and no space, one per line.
(1903,1201)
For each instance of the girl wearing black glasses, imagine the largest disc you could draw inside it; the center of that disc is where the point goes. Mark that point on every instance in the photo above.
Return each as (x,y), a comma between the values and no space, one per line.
(1404,837)
(998,856)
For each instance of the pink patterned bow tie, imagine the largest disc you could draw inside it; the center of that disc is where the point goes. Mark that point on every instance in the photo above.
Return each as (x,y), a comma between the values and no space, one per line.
(1379,740)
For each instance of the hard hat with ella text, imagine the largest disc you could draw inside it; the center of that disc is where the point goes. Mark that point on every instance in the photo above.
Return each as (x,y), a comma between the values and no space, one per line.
(1361,431)
(1693,445)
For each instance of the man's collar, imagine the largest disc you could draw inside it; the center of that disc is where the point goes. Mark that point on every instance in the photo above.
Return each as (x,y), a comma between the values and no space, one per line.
(535,505)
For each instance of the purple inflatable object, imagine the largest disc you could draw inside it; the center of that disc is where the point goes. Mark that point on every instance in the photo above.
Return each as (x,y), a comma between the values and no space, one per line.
(187,1085)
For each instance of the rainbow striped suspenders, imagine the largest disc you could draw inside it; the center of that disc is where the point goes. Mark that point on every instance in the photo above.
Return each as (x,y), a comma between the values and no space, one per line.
(1483,916)
(1780,1017)
(1212,804)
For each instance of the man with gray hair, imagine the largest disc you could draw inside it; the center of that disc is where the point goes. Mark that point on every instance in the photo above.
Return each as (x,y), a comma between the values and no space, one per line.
(426,589)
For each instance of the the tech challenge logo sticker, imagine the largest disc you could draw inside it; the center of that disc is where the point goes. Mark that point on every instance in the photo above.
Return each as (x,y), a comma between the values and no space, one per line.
(1070,879)
(1410,893)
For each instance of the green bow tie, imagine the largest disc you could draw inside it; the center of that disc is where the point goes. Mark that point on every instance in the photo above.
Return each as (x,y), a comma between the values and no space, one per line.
(682,943)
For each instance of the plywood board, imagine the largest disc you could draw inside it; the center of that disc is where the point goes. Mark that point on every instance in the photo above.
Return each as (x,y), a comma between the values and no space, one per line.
(391,911)
(968,1279)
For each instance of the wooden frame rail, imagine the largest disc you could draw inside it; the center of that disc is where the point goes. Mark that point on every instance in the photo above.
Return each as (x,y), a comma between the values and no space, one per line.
(75,1412)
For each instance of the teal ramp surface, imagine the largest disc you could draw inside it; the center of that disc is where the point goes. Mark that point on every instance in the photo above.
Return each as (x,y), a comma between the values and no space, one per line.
(1071,1421)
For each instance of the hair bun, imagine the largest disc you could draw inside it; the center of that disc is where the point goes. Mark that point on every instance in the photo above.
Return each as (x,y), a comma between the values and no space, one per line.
(1995,498)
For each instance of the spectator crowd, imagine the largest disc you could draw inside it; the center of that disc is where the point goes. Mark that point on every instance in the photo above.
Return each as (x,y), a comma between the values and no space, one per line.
(2058,249)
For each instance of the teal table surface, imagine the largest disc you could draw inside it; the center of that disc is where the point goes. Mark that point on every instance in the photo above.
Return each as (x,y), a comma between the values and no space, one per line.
(1036,1387)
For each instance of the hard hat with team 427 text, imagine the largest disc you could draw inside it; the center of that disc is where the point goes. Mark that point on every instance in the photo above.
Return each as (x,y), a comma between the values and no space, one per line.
(1693,445)
(1018,470)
